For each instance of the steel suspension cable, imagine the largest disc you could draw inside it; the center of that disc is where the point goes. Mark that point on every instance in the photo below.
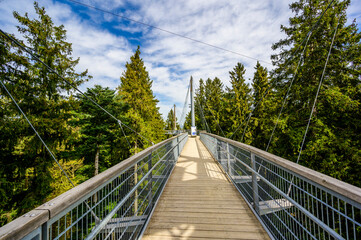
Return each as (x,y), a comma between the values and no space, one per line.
(285,98)
(68,82)
(204,119)
(36,132)
(318,91)
(286,63)
(315,100)
(210,110)
(287,93)
(166,31)
(184,110)
(45,145)
(121,127)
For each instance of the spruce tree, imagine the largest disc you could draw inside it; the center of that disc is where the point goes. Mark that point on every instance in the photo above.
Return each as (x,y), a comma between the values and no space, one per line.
(169,123)
(44,98)
(200,106)
(135,90)
(238,100)
(332,143)
(213,105)
(99,132)
(260,124)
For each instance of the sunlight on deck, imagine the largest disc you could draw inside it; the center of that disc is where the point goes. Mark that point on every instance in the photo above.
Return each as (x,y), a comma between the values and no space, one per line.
(200,203)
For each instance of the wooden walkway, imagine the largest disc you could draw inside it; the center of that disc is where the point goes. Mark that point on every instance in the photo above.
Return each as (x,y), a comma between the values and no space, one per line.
(199,202)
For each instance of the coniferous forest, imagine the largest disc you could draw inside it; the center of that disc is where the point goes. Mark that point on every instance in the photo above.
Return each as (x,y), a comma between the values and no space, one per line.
(86,141)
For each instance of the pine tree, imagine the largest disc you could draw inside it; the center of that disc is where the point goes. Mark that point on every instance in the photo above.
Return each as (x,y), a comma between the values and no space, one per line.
(169,123)
(99,131)
(238,100)
(188,122)
(200,107)
(332,143)
(260,123)
(44,98)
(213,105)
(135,90)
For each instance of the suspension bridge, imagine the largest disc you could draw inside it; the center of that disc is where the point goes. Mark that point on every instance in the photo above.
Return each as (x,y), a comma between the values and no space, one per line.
(197,185)
(204,187)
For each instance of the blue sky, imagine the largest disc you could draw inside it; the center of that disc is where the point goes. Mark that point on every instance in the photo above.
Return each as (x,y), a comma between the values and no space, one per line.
(104,43)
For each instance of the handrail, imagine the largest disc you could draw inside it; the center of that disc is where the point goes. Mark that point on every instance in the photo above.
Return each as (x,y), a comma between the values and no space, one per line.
(350,191)
(291,201)
(32,220)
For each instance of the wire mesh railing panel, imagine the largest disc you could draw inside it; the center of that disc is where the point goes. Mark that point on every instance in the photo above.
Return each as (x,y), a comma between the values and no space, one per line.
(289,204)
(118,207)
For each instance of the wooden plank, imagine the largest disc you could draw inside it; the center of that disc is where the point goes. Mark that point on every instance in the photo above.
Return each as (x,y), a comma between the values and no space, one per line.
(203,209)
(24,225)
(195,220)
(206,227)
(199,202)
(207,234)
(205,205)
(220,216)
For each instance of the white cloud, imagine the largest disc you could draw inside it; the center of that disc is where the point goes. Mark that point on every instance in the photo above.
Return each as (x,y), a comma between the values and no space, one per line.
(244,26)
(101,52)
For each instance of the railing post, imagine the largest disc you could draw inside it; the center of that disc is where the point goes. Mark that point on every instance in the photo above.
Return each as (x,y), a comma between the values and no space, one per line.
(178,146)
(136,191)
(150,182)
(44,231)
(228,161)
(254,183)
(218,150)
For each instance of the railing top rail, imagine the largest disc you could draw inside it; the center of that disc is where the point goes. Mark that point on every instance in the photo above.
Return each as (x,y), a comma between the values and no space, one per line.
(27,223)
(347,190)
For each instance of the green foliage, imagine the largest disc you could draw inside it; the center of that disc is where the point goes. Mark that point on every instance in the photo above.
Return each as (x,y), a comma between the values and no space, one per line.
(260,125)
(86,141)
(332,145)
(238,100)
(213,104)
(135,90)
(169,123)
(25,176)
(82,137)
(100,141)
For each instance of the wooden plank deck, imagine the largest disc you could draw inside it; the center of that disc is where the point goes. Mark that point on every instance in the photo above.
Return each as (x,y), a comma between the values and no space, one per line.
(199,202)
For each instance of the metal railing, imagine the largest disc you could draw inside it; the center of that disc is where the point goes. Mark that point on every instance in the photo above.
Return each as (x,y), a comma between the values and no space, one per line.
(291,201)
(115,204)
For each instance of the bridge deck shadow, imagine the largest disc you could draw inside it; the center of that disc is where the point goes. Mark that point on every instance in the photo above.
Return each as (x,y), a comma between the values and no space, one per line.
(199,202)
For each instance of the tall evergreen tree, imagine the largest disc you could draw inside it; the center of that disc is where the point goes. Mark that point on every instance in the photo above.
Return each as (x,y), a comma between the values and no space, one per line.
(99,133)
(332,144)
(44,98)
(260,124)
(238,100)
(213,105)
(169,123)
(200,107)
(136,91)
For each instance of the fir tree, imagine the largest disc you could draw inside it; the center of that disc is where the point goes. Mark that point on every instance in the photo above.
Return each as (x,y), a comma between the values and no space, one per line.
(213,105)
(260,124)
(332,145)
(98,131)
(135,90)
(42,95)
(238,99)
(169,123)
(200,106)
